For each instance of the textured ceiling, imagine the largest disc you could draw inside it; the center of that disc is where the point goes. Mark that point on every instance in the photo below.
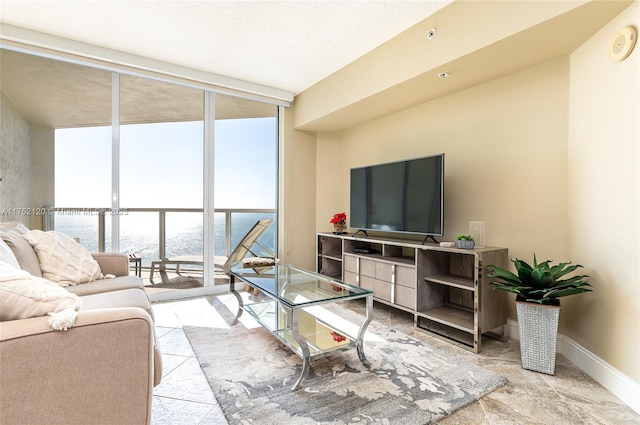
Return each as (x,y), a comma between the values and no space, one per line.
(56,94)
(288,45)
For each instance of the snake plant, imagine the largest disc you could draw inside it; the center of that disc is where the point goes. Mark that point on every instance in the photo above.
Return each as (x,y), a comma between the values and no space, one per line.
(543,283)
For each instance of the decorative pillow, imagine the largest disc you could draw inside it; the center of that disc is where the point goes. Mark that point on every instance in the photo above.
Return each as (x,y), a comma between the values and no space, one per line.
(6,255)
(23,296)
(14,225)
(23,251)
(63,260)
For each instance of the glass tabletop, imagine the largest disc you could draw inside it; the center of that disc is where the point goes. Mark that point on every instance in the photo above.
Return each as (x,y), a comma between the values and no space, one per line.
(296,286)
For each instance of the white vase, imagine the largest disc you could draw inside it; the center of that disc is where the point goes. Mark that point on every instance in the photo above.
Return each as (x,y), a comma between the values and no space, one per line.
(538,326)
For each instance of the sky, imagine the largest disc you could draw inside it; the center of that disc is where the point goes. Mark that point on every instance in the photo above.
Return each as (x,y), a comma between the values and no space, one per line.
(161,165)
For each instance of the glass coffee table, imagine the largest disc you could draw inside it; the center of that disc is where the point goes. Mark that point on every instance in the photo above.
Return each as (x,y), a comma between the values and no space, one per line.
(291,310)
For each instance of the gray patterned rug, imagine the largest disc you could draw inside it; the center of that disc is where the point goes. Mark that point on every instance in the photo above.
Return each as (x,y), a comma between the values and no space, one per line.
(409,382)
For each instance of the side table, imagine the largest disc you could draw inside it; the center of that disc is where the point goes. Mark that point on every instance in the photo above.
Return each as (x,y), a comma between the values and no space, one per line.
(137,264)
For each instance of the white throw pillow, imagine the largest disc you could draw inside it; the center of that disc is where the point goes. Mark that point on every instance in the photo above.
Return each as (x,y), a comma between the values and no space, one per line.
(23,295)
(63,260)
(7,255)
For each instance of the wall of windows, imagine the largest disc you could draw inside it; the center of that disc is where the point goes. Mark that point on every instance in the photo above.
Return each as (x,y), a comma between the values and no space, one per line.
(138,147)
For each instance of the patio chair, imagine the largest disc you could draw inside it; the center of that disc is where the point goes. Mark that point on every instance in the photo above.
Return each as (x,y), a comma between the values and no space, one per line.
(245,247)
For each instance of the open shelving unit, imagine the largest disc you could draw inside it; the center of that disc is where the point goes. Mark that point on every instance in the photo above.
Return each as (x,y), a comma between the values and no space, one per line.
(444,288)
(329,250)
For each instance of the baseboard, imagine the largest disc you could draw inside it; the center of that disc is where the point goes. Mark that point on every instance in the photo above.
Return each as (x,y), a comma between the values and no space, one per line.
(606,375)
(609,377)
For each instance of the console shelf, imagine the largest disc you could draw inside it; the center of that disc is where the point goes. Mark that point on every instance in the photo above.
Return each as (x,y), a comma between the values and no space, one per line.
(444,288)
(451,280)
(452,316)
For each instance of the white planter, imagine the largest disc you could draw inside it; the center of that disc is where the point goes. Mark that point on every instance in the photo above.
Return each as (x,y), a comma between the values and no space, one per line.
(465,244)
(538,326)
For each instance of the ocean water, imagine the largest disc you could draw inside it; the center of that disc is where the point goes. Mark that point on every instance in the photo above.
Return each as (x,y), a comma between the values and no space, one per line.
(139,232)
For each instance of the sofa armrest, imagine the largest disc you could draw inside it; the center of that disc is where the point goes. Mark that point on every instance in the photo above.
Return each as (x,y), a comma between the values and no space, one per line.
(99,371)
(113,263)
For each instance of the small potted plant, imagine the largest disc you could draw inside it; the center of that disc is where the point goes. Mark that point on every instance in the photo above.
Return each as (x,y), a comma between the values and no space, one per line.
(339,222)
(538,290)
(465,242)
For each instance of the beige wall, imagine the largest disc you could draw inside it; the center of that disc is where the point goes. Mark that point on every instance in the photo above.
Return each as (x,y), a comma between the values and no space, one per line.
(42,171)
(548,157)
(15,162)
(505,146)
(26,167)
(297,207)
(330,180)
(505,157)
(604,198)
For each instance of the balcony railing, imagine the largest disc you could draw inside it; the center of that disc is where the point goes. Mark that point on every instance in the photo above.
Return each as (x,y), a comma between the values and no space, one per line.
(156,233)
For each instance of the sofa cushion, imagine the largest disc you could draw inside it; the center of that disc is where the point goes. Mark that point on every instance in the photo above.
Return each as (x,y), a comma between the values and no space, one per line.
(106,285)
(23,251)
(63,260)
(114,299)
(23,295)
(7,255)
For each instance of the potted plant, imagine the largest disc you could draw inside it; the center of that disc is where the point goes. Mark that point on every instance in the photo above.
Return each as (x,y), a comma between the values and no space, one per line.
(465,241)
(538,290)
(339,222)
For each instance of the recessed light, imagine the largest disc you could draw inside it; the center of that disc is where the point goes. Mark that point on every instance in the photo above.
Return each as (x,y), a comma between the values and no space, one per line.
(443,75)
(431,34)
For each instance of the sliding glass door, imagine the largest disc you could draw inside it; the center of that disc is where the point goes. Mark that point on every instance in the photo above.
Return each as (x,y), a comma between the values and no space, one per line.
(246,163)
(161,145)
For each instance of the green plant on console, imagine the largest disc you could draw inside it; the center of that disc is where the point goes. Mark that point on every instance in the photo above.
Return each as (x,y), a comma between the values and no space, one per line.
(543,283)
(464,237)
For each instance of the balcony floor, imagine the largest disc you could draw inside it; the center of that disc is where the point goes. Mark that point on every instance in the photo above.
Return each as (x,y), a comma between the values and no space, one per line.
(186,279)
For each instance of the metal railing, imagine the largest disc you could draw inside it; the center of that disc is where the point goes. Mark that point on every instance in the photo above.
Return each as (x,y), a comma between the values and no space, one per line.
(102,216)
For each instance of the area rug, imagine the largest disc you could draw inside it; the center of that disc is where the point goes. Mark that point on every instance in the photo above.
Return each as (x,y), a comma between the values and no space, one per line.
(251,374)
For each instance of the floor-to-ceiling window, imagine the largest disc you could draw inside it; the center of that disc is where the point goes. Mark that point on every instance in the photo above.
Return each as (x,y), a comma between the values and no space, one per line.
(156,172)
(83,184)
(245,171)
(161,164)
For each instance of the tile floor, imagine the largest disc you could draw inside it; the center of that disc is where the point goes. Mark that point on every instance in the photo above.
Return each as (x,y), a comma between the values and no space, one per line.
(568,397)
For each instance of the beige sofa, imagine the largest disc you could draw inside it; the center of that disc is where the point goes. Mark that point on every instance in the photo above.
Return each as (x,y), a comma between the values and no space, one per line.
(102,370)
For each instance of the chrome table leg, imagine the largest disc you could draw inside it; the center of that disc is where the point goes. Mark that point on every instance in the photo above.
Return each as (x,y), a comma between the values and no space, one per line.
(232,288)
(363,329)
(304,348)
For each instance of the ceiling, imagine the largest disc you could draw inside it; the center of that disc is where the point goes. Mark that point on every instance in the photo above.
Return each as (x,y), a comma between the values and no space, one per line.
(56,94)
(346,61)
(288,45)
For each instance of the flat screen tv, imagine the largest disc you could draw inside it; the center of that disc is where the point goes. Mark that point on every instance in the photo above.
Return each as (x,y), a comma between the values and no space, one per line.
(403,196)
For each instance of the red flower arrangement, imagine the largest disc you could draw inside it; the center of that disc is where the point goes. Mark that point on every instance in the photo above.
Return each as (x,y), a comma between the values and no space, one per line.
(339,218)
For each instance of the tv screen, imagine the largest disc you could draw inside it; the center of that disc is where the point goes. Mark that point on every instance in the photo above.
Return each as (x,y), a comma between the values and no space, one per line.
(404,196)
